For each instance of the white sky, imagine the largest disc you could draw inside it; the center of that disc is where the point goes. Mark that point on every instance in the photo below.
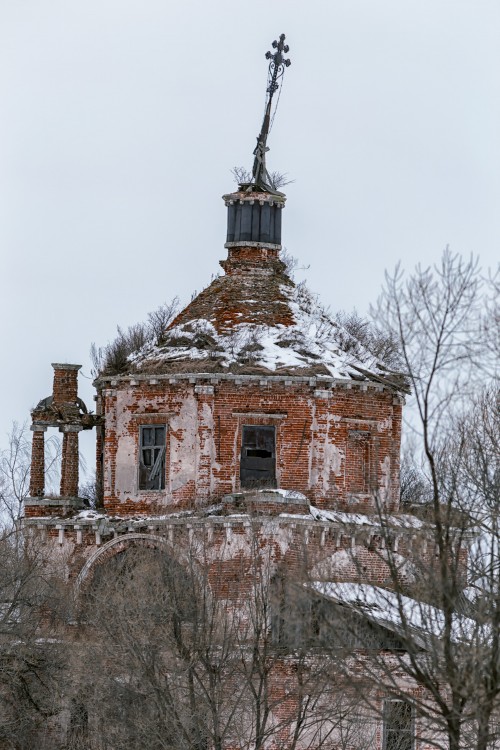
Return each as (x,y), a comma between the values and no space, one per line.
(120,121)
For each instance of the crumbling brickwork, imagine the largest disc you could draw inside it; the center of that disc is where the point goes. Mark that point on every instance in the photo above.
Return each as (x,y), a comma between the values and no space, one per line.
(65,388)
(244,443)
(315,450)
(64,410)
(37,474)
(70,461)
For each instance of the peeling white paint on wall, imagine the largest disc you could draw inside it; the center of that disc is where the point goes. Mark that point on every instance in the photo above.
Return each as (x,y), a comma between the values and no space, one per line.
(332,459)
(332,464)
(183,449)
(384,425)
(325,458)
(341,562)
(385,479)
(126,466)
(208,450)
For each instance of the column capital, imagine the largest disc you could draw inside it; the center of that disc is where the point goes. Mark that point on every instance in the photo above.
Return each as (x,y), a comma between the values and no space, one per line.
(71,428)
(64,366)
(38,428)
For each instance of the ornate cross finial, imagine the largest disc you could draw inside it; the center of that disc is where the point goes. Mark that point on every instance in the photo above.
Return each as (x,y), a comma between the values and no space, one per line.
(277,65)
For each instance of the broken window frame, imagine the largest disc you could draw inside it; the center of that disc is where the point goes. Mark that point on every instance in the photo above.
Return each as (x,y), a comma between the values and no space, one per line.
(399,735)
(151,477)
(266,482)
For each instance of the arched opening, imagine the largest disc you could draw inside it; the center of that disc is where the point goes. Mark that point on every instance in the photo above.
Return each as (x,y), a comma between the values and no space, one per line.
(148,618)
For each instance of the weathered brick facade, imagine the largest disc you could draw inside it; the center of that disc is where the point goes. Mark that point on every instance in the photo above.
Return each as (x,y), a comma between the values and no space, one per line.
(238,358)
(338,443)
(254,443)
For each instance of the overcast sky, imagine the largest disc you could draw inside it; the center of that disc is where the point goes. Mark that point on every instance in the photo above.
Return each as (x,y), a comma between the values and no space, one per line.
(121,119)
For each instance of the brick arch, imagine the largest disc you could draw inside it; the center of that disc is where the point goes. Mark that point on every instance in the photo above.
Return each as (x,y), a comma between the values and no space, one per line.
(122,543)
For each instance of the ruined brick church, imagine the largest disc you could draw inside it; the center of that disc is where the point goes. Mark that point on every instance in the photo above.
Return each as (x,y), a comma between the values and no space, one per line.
(253,416)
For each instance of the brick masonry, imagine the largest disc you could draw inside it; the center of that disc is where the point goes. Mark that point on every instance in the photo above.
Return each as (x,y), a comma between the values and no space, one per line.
(65,387)
(337,443)
(337,446)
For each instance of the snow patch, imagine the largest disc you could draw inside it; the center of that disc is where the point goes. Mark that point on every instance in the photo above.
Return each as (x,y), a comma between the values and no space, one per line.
(315,338)
(287,494)
(392,609)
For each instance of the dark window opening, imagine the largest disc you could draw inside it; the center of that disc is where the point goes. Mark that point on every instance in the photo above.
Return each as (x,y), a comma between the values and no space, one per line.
(152,457)
(256,453)
(258,457)
(398,725)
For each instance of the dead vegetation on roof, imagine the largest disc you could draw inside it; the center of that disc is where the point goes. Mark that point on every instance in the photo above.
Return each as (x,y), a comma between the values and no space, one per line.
(113,358)
(253,324)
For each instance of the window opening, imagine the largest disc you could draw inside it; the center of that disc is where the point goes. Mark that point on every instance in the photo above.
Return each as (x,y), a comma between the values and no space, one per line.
(152,457)
(258,457)
(398,725)
(358,461)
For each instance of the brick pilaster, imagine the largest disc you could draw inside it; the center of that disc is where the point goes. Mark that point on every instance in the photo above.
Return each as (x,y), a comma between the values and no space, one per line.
(319,444)
(70,459)
(37,475)
(206,444)
(99,449)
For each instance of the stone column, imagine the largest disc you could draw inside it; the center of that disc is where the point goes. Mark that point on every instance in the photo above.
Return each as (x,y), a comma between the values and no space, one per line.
(70,459)
(37,474)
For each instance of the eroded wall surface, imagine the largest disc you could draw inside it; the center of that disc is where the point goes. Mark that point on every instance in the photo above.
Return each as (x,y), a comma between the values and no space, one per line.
(339,446)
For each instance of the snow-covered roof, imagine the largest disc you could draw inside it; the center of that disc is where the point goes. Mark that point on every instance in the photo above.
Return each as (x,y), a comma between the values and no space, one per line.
(400,613)
(292,496)
(362,519)
(261,324)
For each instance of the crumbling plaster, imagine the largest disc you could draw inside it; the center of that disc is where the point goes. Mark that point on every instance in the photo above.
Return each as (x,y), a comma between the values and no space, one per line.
(204,426)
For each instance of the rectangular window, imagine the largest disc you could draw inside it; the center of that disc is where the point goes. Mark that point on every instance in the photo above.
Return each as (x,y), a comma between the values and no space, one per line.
(398,725)
(152,457)
(258,457)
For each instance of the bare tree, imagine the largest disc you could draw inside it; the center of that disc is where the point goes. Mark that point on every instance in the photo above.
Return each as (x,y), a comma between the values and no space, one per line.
(243,176)
(193,657)
(445,663)
(159,319)
(171,681)
(15,463)
(114,356)
(31,652)
(354,330)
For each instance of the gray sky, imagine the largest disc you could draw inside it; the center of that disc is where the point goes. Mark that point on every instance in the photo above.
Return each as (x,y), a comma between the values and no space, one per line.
(120,121)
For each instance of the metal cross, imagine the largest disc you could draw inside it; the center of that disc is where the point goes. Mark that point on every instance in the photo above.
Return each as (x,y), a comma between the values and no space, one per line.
(277,65)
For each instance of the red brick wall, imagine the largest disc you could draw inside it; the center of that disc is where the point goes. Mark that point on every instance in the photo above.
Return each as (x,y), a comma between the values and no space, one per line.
(315,453)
